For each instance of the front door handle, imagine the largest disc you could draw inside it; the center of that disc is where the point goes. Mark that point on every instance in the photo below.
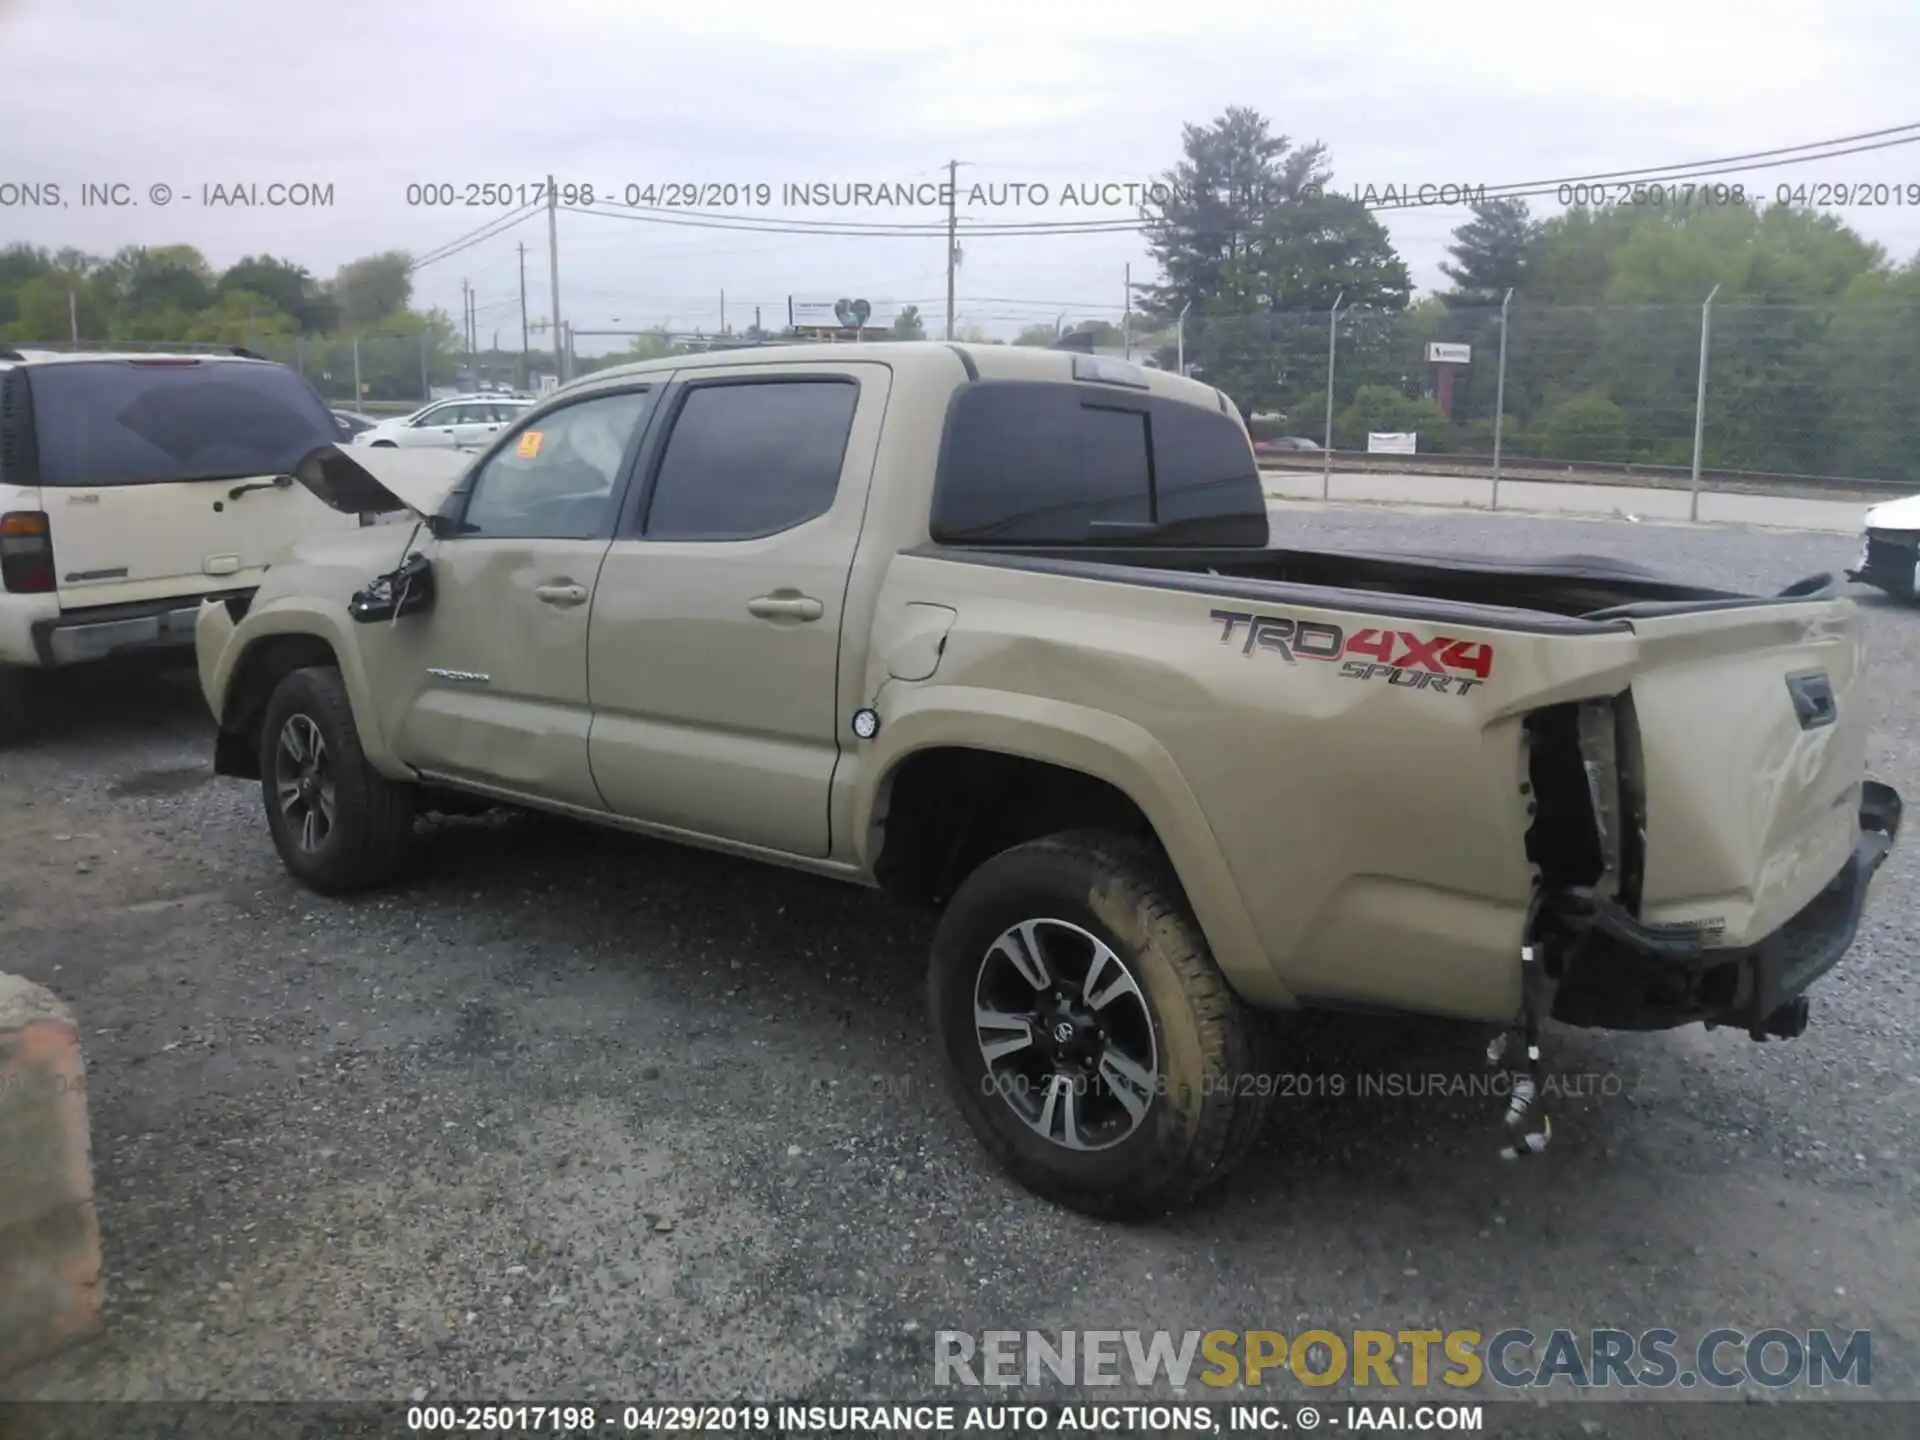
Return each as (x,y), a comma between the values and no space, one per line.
(563,593)
(785,607)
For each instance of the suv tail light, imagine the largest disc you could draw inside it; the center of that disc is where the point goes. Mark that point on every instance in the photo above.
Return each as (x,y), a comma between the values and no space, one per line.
(26,553)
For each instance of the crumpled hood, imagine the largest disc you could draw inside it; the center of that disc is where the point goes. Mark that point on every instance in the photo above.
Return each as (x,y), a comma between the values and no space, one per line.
(362,480)
(1895,515)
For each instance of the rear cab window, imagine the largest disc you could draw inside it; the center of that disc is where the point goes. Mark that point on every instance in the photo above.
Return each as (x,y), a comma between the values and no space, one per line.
(164,421)
(1060,463)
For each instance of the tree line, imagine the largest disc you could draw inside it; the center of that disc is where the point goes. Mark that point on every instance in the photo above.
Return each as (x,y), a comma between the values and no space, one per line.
(166,294)
(1814,365)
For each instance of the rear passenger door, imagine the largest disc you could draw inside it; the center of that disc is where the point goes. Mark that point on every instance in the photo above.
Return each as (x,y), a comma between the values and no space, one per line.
(714,648)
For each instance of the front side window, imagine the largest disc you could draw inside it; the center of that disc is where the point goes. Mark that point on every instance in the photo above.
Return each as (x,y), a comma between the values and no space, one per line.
(752,458)
(556,479)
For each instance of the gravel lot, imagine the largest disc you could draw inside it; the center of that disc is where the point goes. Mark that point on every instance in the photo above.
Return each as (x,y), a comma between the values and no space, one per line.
(574,1114)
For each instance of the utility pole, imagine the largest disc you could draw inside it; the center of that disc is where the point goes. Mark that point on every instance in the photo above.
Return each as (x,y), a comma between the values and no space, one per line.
(953,235)
(723,312)
(73,317)
(553,272)
(526,363)
(1126,314)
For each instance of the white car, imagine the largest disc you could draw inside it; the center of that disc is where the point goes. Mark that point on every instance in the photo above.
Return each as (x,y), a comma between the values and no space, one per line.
(133,487)
(464,422)
(1890,554)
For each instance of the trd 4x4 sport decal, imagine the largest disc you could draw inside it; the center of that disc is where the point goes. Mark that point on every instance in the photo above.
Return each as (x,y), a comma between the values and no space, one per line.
(1399,657)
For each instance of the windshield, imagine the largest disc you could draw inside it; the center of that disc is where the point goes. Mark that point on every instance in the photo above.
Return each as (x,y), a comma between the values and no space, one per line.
(123,422)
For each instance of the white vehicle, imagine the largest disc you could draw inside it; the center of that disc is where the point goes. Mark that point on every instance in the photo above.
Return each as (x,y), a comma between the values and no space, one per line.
(1890,553)
(463,422)
(132,487)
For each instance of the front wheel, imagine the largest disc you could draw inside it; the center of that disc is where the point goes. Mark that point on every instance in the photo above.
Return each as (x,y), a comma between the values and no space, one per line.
(338,824)
(1090,1041)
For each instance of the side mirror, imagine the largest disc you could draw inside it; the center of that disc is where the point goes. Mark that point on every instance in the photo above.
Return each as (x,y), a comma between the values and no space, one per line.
(407,590)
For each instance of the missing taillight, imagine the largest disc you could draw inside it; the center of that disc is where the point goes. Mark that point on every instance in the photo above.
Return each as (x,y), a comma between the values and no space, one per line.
(1588,831)
(26,553)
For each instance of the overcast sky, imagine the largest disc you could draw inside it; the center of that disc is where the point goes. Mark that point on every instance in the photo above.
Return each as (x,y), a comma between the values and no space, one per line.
(370,97)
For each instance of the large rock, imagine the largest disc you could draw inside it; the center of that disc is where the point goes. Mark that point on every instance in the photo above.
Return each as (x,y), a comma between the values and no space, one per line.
(49,1235)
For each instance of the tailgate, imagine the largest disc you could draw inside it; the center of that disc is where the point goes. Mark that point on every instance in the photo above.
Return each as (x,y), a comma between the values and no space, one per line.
(1753,736)
(171,475)
(124,542)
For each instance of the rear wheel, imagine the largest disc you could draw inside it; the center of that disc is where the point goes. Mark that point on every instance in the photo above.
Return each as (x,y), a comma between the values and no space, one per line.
(1089,1039)
(338,824)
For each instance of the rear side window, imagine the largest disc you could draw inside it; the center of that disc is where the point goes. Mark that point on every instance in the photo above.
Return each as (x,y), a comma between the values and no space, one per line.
(751,458)
(120,422)
(1049,463)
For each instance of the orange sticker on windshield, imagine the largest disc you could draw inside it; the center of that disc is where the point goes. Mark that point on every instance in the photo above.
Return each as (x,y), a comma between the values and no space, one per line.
(529,444)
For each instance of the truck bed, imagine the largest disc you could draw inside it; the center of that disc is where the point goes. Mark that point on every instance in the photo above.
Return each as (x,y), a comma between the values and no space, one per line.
(1442,765)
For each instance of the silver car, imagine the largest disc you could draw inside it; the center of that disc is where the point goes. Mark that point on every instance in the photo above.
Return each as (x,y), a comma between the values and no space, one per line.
(464,422)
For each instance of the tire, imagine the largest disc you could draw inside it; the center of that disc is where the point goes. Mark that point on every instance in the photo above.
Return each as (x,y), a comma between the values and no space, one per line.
(16,705)
(353,827)
(1205,1105)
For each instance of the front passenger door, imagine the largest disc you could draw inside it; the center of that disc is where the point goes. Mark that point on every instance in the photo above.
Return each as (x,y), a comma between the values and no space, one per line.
(489,687)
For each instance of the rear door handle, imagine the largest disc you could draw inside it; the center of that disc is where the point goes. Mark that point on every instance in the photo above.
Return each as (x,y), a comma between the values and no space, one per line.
(563,593)
(785,607)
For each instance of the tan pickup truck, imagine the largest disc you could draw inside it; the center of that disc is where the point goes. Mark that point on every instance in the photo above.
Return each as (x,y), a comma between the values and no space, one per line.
(1001,630)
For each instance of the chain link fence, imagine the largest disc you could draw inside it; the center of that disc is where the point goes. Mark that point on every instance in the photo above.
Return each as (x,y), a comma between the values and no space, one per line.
(1824,396)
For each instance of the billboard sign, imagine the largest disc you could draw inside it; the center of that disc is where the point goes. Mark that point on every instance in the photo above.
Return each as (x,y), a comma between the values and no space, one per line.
(842,314)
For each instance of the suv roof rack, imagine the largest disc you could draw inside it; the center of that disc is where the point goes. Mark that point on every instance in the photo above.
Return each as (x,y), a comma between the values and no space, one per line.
(244,353)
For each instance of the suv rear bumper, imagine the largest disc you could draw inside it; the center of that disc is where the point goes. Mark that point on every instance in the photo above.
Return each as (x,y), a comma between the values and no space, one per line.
(74,637)
(1621,975)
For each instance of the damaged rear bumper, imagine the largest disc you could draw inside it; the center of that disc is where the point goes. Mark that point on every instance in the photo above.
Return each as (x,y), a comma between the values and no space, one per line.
(1621,975)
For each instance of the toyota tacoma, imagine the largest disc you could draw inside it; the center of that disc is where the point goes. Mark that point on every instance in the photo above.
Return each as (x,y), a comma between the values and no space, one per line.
(1005,632)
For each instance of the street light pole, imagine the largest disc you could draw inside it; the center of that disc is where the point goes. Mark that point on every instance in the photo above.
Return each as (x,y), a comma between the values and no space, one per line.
(1700,401)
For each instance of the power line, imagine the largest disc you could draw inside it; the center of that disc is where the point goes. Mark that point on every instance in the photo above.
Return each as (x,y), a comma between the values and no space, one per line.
(1809,153)
(497,226)
(1728,160)
(1527,188)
